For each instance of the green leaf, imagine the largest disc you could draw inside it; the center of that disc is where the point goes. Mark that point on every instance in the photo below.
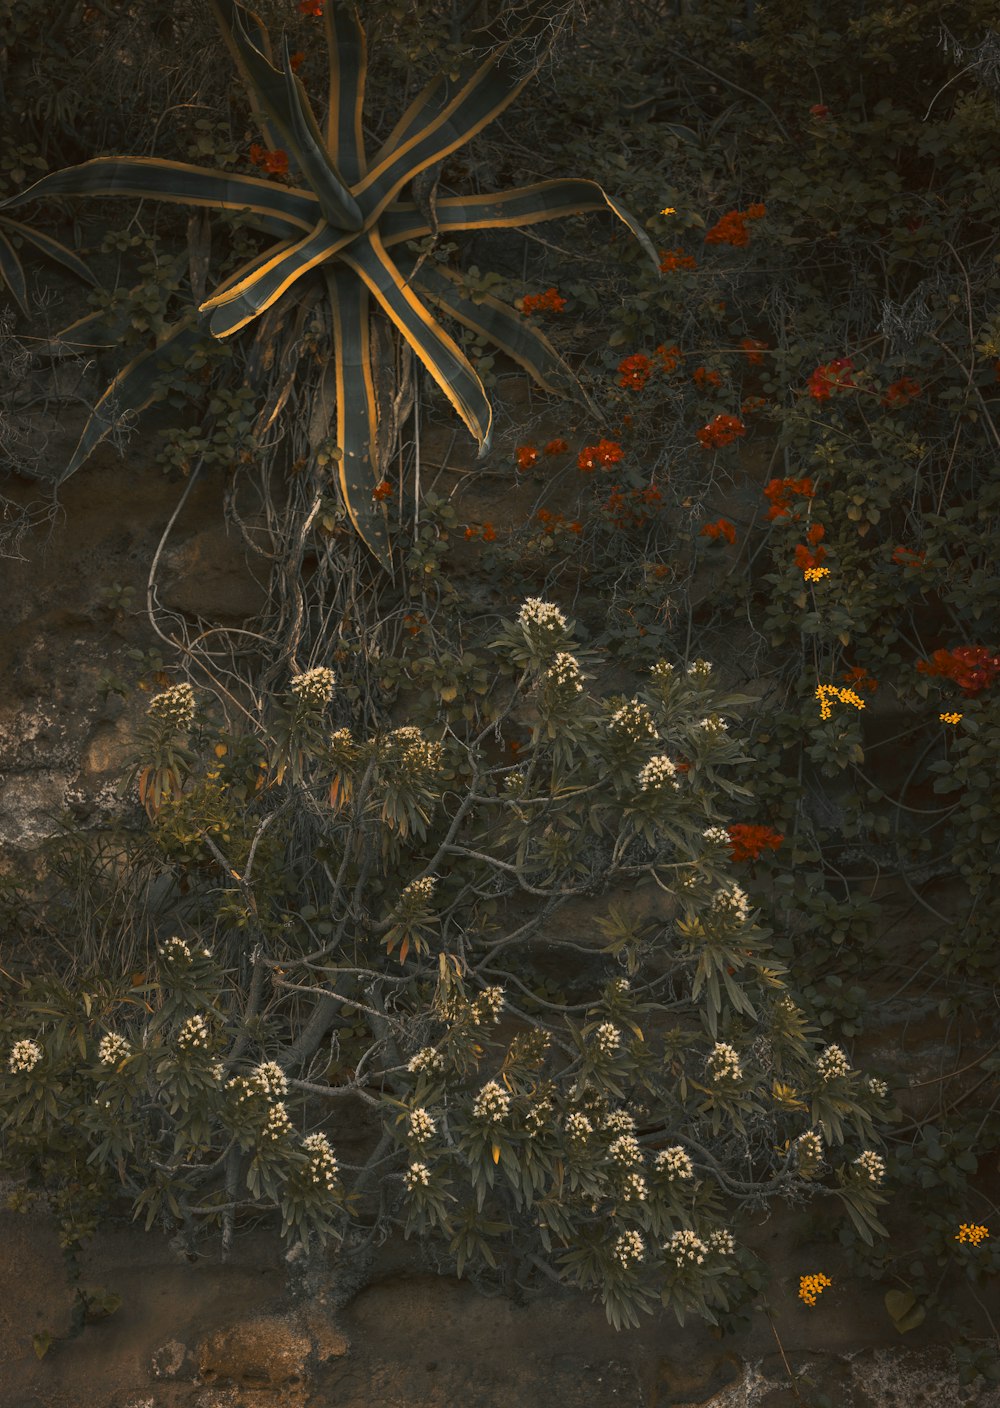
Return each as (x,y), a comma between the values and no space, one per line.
(904,1310)
(348,58)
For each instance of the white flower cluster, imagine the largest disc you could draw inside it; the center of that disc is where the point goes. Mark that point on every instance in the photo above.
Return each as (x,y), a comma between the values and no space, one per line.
(686,1248)
(578,1126)
(877,1087)
(634,1187)
(515,780)
(277,1125)
(832,1063)
(625,1150)
(490,1003)
(418,1175)
(342,741)
(662,672)
(175,706)
(24,1056)
(194,1034)
(722,1242)
(538,1117)
(418,892)
(269,1079)
(713,724)
(176,951)
(425,1061)
(421,1125)
(723,1062)
(622,986)
(241,1090)
(111,1049)
(700,669)
(872,1166)
(542,615)
(658,774)
(491,1104)
(314,687)
(607,1038)
(716,835)
(419,757)
(323,1166)
(731,903)
(634,721)
(565,673)
(675,1162)
(630,1248)
(619,1122)
(809,1147)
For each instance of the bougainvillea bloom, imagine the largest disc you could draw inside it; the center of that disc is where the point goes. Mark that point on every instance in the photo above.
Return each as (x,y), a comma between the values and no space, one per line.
(816,532)
(634,371)
(556,447)
(752,349)
(670,357)
(901,392)
(703,377)
(756,211)
(805,559)
(835,375)
(526,456)
(548,302)
(313,8)
(382,490)
(721,528)
(729,229)
(779,493)
(489,534)
(972,667)
(673,259)
(747,842)
(722,430)
(605,452)
(274,163)
(858,675)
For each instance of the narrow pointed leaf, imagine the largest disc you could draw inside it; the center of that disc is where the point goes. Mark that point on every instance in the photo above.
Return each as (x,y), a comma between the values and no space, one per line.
(151,178)
(348,57)
(53,248)
(357,409)
(439,352)
(336,201)
(12,273)
(226,18)
(240,304)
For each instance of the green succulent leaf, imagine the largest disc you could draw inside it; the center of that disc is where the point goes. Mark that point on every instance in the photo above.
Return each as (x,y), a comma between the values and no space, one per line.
(348,58)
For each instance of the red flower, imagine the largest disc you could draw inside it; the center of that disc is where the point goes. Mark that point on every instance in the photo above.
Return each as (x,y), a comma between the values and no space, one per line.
(816,532)
(703,377)
(757,211)
(721,528)
(634,371)
(605,452)
(489,535)
(858,675)
(972,667)
(752,348)
(313,8)
(382,490)
(906,557)
(295,60)
(747,842)
(836,375)
(548,302)
(526,456)
(256,153)
(806,559)
(671,357)
(471,532)
(820,111)
(778,493)
(556,447)
(575,527)
(751,404)
(901,391)
(722,430)
(673,259)
(729,229)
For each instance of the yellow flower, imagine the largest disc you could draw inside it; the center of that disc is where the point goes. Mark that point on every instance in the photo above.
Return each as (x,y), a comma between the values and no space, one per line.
(846,696)
(949,718)
(813,574)
(972,1232)
(668,210)
(812,1286)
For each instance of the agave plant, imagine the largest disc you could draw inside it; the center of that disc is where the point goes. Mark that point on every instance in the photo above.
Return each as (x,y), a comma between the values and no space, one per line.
(11,268)
(345,234)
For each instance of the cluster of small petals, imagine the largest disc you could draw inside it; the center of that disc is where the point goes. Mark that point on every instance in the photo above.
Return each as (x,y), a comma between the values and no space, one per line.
(313,8)
(426,1061)
(714,723)
(826,692)
(492,1104)
(629,1248)
(871,1165)
(490,1002)
(625,1150)
(717,835)
(908,557)
(111,1049)
(752,349)
(661,673)
(723,1062)
(419,756)
(634,721)
(634,371)
(176,951)
(418,892)
(634,1188)
(421,1125)
(240,1089)
(972,667)
(703,377)
(779,492)
(748,842)
(952,718)
(832,1063)
(418,1175)
(269,1079)
(314,687)
(730,902)
(809,1147)
(604,453)
(323,1166)
(277,1125)
(174,706)
(699,669)
(551,301)
(835,375)
(24,1056)
(619,1122)
(541,615)
(721,528)
(877,1087)
(673,259)
(538,1117)
(658,774)
(578,1126)
(721,430)
(815,574)
(722,1242)
(901,392)
(607,1038)
(194,1034)
(564,672)
(972,1232)
(272,162)
(526,456)
(674,1162)
(686,1248)
(810,1287)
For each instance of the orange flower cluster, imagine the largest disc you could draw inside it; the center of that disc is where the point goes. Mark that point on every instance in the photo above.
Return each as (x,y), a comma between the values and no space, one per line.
(274,163)
(752,349)
(605,453)
(972,667)
(295,60)
(634,371)
(670,357)
(486,530)
(779,491)
(721,528)
(703,377)
(526,456)
(901,392)
(820,112)
(747,842)
(721,430)
(548,302)
(751,404)
(414,622)
(553,522)
(835,375)
(674,259)
(312,8)
(556,447)
(632,508)
(731,228)
(859,676)
(382,490)
(906,557)
(806,559)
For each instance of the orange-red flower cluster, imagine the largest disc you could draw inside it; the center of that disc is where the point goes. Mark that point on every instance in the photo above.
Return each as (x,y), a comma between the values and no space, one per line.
(752,349)
(556,447)
(703,377)
(526,456)
(972,667)
(670,357)
(313,8)
(634,371)
(835,375)
(859,677)
(673,259)
(779,492)
(548,302)
(721,430)
(274,163)
(486,530)
(747,842)
(805,559)
(751,404)
(605,453)
(553,522)
(296,60)
(731,227)
(901,392)
(906,557)
(382,490)
(414,622)
(721,528)
(820,112)
(632,508)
